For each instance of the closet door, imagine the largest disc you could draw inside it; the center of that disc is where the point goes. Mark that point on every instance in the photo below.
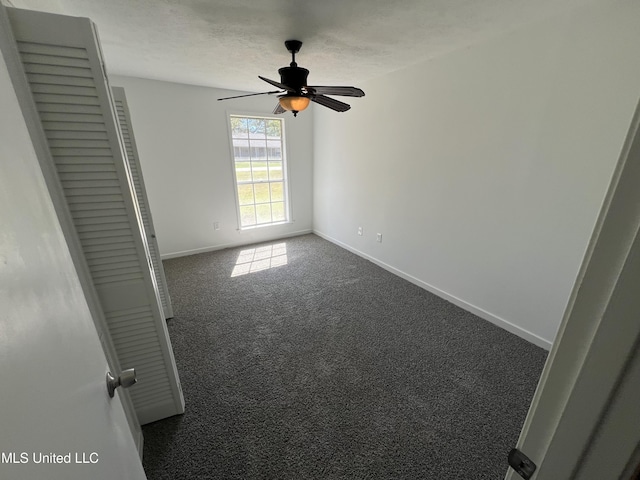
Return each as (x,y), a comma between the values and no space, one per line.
(64,68)
(129,141)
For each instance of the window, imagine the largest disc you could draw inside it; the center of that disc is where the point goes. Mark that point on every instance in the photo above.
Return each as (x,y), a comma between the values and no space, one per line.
(260,170)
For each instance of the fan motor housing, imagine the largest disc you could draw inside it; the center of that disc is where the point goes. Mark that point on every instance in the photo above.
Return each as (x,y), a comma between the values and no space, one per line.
(294,77)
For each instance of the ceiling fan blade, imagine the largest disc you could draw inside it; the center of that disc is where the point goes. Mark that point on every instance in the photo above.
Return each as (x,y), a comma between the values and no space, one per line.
(343,91)
(251,95)
(332,103)
(277,84)
(278,110)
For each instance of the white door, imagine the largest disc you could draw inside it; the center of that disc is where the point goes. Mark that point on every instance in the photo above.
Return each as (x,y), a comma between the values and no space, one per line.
(63,67)
(56,419)
(584,421)
(129,143)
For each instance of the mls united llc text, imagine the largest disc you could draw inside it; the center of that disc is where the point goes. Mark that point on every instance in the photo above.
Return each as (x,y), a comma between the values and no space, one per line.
(39,457)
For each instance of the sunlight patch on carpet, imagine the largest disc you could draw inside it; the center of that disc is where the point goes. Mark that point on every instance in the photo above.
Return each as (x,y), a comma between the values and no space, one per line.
(261,258)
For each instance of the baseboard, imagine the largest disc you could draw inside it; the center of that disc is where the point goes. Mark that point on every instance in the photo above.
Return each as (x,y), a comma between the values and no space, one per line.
(500,322)
(213,248)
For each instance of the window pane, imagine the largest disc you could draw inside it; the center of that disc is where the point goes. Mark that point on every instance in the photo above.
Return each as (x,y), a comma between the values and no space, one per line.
(258,149)
(262,193)
(275,171)
(240,151)
(274,128)
(277,209)
(274,153)
(274,149)
(263,213)
(247,216)
(258,153)
(277,192)
(259,170)
(256,126)
(245,194)
(239,127)
(243,171)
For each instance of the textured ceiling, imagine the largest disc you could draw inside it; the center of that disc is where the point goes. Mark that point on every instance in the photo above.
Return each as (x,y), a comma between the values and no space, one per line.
(228,43)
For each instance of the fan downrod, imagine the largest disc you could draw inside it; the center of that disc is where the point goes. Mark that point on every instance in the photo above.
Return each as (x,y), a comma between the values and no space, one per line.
(294,47)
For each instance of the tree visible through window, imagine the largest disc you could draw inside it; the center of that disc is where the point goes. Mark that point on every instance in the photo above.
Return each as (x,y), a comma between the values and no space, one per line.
(260,173)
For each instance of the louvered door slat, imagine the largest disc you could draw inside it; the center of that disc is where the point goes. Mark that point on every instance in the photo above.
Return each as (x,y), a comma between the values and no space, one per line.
(81,198)
(62,89)
(133,321)
(102,228)
(123,252)
(92,217)
(51,96)
(90,228)
(74,142)
(153,369)
(37,79)
(154,393)
(69,133)
(156,382)
(133,343)
(115,268)
(55,59)
(55,126)
(97,164)
(70,118)
(106,233)
(114,251)
(141,355)
(135,330)
(91,185)
(69,108)
(64,70)
(56,50)
(108,261)
(58,70)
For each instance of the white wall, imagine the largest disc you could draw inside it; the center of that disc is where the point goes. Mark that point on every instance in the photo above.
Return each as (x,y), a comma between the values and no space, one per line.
(487,184)
(182,137)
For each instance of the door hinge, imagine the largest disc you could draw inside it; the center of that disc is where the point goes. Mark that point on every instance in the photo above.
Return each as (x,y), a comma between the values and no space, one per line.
(521,463)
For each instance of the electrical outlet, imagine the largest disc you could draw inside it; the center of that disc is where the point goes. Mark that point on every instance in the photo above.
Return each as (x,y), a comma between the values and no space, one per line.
(379,237)
(216,225)
(360,231)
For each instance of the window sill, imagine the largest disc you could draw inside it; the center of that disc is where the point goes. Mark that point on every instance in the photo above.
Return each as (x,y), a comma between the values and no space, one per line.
(254,227)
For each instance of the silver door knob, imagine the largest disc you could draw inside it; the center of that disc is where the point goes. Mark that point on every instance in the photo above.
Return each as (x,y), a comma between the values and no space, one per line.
(124,380)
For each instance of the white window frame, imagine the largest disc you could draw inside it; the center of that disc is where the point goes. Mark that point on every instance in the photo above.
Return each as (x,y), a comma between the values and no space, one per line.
(285,171)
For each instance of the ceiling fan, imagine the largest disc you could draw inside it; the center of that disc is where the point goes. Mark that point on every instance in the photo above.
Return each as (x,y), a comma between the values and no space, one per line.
(295,94)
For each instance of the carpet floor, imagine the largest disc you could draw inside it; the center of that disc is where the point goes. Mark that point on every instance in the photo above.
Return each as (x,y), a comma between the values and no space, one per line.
(301,360)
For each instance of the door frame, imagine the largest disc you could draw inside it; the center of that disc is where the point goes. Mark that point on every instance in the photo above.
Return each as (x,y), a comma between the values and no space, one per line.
(585,374)
(25,99)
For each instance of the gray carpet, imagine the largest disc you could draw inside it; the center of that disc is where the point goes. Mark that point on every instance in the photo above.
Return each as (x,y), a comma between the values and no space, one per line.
(329,367)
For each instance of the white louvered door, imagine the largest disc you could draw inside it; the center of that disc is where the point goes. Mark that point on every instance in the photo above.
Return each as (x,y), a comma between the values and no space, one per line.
(65,72)
(129,141)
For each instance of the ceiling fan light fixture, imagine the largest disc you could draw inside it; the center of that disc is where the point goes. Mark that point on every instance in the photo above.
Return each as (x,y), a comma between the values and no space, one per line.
(295,93)
(294,103)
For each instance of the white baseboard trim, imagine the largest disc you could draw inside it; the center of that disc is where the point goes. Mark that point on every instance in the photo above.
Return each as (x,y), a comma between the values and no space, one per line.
(500,322)
(213,248)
